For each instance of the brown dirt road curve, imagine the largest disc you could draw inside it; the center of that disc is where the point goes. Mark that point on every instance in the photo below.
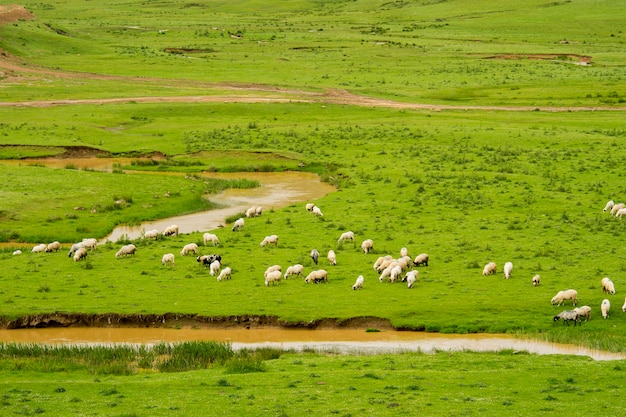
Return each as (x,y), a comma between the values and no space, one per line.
(14,70)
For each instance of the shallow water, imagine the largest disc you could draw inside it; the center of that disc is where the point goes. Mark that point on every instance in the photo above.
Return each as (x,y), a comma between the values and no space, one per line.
(346,341)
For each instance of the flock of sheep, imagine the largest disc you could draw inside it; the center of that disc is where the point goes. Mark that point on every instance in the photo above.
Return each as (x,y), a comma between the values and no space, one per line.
(389,268)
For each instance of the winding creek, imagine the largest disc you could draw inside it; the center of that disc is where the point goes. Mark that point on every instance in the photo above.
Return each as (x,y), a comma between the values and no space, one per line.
(277,190)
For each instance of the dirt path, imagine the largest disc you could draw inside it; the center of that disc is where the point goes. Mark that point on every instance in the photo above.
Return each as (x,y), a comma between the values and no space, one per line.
(12,70)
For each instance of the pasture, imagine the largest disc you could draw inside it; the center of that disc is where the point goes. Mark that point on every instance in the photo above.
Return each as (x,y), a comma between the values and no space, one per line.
(472,131)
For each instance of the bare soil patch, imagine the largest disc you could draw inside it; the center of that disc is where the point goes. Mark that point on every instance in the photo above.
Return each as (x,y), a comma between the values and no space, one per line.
(582,59)
(13,12)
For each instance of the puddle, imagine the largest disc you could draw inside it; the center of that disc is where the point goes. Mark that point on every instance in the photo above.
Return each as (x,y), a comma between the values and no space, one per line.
(344,341)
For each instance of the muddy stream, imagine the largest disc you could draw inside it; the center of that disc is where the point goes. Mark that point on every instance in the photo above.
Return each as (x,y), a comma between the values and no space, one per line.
(277,190)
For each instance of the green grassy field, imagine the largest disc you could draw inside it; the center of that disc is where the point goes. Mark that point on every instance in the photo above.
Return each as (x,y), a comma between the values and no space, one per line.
(276,86)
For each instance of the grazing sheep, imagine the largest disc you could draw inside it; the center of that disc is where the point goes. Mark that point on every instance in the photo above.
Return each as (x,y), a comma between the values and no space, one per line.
(609,205)
(316,276)
(317,212)
(224,274)
(251,212)
(53,247)
(210,237)
(616,208)
(74,248)
(567,316)
(238,225)
(332,258)
(168,258)
(608,286)
(605,307)
(411,278)
(421,259)
(404,262)
(309,206)
(584,311)
(358,285)
(270,240)
(396,271)
(385,264)
(380,261)
(39,248)
(90,243)
(207,260)
(508,268)
(171,230)
(490,268)
(296,269)
(624,306)
(562,296)
(151,234)
(273,277)
(125,251)
(536,280)
(17,252)
(214,268)
(346,236)
(272,268)
(190,247)
(367,245)
(258,211)
(620,213)
(404,252)
(385,273)
(315,255)
(80,254)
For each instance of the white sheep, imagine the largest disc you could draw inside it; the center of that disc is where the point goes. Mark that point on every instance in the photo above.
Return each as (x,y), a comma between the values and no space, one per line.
(567,316)
(404,262)
(386,272)
(296,269)
(404,252)
(624,306)
(39,248)
(608,286)
(536,280)
(225,274)
(563,296)
(396,272)
(609,205)
(317,212)
(421,259)
(168,258)
(90,243)
(605,307)
(332,257)
(367,245)
(151,234)
(620,213)
(358,285)
(74,248)
(125,251)
(210,237)
(238,225)
(214,268)
(258,212)
(319,275)
(584,311)
(53,247)
(385,264)
(490,268)
(309,206)
(272,268)
(411,278)
(273,277)
(380,261)
(616,208)
(17,252)
(188,248)
(251,212)
(80,254)
(346,236)
(171,230)
(508,268)
(270,240)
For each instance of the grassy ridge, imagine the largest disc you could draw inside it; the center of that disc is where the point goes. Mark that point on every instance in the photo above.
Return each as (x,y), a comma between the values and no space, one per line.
(322,384)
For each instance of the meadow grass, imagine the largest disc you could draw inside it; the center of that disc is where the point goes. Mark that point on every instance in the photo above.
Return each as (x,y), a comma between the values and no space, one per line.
(296,384)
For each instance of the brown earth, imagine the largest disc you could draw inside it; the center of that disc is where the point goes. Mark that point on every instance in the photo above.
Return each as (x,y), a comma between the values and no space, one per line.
(173,320)
(12,12)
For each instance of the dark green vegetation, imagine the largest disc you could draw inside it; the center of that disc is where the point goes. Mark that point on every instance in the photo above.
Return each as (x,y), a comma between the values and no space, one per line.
(61,381)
